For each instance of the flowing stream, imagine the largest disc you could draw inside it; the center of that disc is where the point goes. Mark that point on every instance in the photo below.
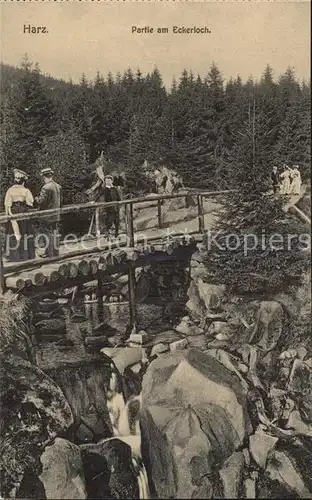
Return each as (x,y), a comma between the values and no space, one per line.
(81,320)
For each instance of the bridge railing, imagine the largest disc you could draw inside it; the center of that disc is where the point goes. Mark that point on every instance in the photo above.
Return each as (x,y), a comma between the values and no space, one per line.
(128,204)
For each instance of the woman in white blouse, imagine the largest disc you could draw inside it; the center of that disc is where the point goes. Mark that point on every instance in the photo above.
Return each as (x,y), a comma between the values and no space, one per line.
(20,237)
(295,187)
(285,176)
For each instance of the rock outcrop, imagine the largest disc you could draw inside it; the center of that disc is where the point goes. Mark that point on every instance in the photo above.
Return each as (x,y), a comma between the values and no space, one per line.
(34,411)
(203,297)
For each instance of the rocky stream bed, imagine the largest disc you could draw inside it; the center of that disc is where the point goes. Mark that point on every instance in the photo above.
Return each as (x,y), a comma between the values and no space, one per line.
(213,395)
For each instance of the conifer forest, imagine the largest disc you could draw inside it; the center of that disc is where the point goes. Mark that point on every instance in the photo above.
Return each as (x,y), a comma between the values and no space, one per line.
(203,127)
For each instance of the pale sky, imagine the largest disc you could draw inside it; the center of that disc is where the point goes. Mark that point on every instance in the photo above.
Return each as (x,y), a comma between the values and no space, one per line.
(86,37)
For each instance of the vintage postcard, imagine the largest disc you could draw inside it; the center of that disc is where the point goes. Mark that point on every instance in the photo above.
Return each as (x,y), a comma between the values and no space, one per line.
(155,291)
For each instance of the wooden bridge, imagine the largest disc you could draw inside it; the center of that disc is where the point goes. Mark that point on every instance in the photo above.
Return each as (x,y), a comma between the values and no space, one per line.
(92,258)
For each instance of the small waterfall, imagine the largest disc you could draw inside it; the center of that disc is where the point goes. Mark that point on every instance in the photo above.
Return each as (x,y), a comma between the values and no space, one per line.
(125,419)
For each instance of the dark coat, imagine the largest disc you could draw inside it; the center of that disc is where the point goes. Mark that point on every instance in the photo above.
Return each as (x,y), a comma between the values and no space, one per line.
(275,178)
(50,197)
(111,194)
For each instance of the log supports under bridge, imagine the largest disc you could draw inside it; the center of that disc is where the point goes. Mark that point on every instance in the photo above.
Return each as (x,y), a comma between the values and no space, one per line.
(132,298)
(163,282)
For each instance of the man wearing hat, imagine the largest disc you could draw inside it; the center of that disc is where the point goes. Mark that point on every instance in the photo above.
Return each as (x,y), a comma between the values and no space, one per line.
(50,198)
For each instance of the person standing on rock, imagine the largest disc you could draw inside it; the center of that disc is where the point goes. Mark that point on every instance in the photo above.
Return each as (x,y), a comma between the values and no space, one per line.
(20,237)
(50,198)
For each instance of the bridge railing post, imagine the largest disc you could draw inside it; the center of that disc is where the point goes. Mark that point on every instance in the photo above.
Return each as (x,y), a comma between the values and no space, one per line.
(132,296)
(130,229)
(201,218)
(159,215)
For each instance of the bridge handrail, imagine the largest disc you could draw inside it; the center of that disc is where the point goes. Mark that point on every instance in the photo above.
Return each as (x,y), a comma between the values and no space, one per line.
(128,203)
(35,214)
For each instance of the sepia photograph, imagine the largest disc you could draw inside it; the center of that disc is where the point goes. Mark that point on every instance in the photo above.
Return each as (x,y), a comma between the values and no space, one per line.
(155,250)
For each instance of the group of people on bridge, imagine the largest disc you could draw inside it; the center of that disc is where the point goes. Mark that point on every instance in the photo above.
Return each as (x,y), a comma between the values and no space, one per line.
(21,239)
(287,182)
(20,234)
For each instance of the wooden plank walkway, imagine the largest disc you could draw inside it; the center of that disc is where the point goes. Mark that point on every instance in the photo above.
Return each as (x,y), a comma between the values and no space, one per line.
(70,272)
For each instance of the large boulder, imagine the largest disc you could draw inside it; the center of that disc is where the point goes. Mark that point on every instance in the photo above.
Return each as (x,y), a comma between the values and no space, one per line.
(195,304)
(300,387)
(62,471)
(194,417)
(269,325)
(52,326)
(266,336)
(33,412)
(187,327)
(290,468)
(84,384)
(109,469)
(232,475)
(203,297)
